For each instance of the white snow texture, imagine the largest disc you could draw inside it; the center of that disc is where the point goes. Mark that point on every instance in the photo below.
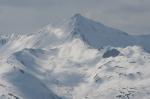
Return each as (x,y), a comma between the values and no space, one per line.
(81,59)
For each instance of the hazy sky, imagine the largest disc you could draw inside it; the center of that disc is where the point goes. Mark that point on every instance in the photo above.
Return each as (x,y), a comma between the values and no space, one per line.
(25,16)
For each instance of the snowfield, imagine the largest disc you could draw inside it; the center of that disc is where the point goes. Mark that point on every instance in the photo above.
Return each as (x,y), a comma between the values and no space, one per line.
(82,59)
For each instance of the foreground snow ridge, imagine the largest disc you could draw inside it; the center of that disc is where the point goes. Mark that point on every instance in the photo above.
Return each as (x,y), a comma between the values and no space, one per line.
(82,59)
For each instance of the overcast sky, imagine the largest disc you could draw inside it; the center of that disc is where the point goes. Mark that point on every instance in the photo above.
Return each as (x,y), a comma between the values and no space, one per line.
(26,16)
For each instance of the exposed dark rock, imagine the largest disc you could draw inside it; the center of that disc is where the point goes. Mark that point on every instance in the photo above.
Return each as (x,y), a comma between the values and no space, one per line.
(111,53)
(22,71)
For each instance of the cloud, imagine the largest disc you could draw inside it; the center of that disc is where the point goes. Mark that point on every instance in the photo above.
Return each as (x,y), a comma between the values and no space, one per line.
(25,3)
(28,15)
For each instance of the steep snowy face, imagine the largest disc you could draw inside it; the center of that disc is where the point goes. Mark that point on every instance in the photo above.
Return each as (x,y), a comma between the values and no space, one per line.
(143,41)
(98,35)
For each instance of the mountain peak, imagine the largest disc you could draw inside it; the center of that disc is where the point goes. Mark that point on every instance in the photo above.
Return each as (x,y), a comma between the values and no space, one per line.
(97,34)
(77,16)
(80,21)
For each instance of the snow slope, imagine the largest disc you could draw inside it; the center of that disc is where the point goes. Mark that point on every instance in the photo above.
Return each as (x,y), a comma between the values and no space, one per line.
(67,62)
(98,35)
(6,38)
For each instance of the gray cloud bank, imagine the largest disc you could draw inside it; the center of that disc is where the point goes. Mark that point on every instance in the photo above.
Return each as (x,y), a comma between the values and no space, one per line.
(25,16)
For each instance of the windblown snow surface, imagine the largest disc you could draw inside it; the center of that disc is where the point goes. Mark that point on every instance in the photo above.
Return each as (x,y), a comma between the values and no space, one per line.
(81,59)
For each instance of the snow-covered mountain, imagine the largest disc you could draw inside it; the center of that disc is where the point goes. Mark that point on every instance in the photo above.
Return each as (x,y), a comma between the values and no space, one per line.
(98,35)
(81,59)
